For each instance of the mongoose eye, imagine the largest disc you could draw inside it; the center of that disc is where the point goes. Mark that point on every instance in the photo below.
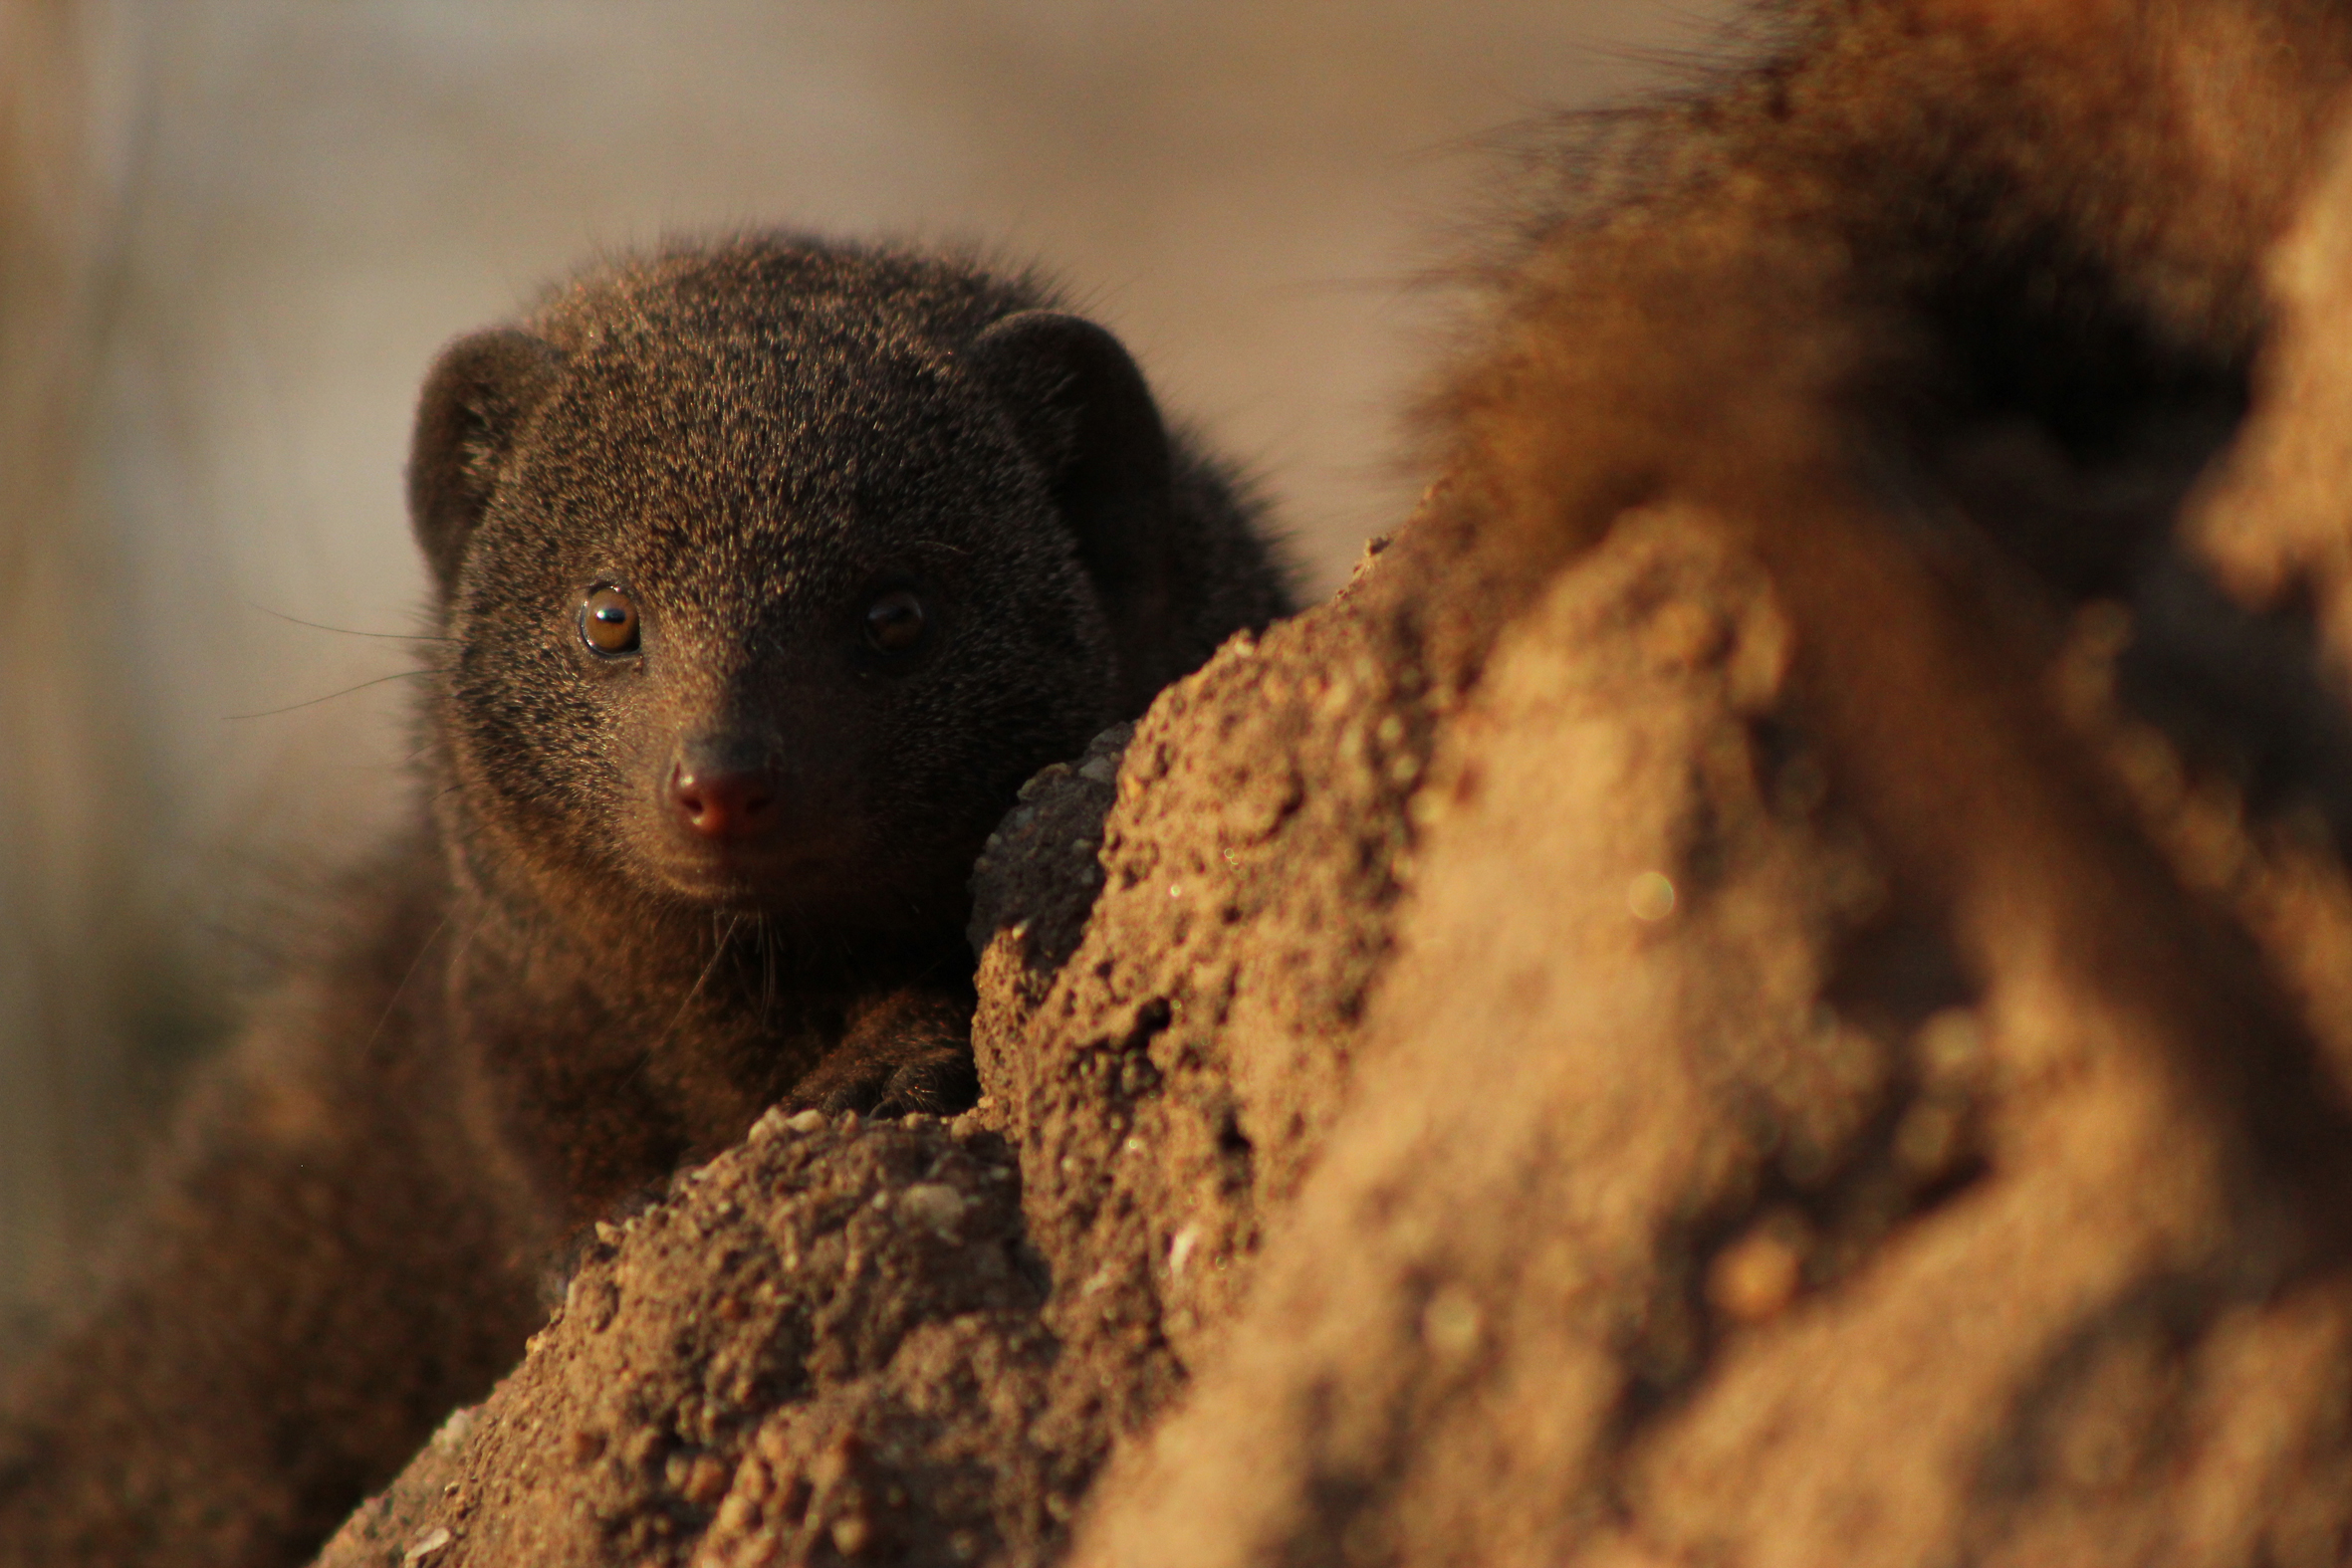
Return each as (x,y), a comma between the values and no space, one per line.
(608,623)
(895,621)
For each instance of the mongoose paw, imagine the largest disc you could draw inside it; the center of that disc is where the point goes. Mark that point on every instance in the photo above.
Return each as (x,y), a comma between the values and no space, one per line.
(892,1079)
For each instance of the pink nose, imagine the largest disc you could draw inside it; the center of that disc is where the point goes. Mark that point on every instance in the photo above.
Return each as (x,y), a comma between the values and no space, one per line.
(724,803)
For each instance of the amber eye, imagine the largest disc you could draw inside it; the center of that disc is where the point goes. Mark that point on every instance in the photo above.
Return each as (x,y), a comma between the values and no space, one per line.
(608,623)
(894,623)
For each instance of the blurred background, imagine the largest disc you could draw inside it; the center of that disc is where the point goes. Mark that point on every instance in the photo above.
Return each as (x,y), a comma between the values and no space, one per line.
(233,234)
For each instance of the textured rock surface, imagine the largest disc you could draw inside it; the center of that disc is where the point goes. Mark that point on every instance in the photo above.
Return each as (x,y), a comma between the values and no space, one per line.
(1737,1223)
(1591,1155)
(824,1341)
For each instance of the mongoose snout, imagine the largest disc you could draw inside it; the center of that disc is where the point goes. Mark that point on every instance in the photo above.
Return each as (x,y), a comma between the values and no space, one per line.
(723,797)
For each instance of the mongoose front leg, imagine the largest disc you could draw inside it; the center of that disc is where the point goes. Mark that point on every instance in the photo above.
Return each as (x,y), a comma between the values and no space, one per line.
(909,1053)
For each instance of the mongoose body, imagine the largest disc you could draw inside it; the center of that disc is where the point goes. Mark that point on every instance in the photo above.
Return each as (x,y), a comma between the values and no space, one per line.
(764,573)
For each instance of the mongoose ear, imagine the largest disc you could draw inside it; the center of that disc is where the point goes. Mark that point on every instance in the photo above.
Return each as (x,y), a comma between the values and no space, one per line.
(1083,413)
(474,401)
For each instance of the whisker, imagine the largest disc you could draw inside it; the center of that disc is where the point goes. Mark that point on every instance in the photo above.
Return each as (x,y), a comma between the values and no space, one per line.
(393,1002)
(718,950)
(345,631)
(396,675)
(765,932)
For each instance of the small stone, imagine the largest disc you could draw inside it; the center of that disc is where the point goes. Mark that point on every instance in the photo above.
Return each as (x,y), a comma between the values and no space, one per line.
(774,1443)
(453,1433)
(806,1122)
(1181,1246)
(426,1547)
(1101,769)
(706,1479)
(851,1535)
(1756,1276)
(836,1463)
(934,1205)
(1045,779)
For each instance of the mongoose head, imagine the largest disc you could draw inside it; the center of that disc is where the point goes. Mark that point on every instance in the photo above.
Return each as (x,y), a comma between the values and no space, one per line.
(771,571)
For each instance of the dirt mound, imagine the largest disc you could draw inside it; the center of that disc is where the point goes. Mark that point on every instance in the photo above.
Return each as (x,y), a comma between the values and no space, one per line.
(826,1338)
(1699,1209)
(1697,1203)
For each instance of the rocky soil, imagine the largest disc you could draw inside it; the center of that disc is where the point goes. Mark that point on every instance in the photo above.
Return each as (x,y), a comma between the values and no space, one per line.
(1523,1124)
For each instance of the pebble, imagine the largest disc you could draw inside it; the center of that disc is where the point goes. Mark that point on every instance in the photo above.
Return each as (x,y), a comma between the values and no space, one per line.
(453,1433)
(1755,1277)
(426,1547)
(1181,1246)
(934,1205)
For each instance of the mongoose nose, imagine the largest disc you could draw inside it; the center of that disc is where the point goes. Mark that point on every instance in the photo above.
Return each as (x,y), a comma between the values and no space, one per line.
(721,802)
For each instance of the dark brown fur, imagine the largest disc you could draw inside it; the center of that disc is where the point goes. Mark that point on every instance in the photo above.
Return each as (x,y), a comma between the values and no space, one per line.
(554,993)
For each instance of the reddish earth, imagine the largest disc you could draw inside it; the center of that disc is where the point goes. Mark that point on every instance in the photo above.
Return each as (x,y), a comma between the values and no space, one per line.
(1506,1126)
